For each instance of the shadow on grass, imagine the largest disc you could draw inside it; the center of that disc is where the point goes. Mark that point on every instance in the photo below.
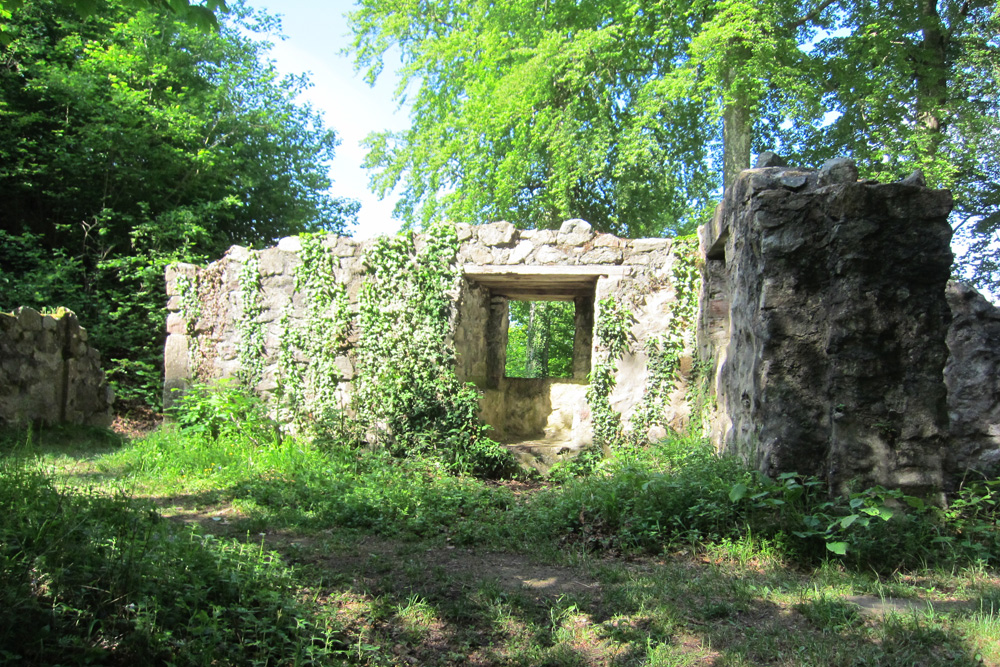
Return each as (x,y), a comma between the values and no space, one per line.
(439,606)
(76,442)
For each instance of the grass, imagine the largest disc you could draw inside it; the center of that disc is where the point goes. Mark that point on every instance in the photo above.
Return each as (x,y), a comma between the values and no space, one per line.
(191,548)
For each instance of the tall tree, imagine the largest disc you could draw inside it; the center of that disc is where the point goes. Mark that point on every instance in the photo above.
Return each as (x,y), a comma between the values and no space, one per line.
(631,113)
(129,140)
(539,112)
(912,84)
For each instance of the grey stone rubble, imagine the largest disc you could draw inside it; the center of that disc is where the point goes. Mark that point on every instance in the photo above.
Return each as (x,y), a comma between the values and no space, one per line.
(822,312)
(48,372)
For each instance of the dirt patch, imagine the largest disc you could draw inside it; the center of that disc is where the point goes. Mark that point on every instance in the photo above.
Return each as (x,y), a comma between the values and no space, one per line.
(136,422)
(453,565)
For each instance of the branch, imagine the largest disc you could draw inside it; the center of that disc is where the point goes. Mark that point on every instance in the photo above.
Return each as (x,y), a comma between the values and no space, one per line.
(811,16)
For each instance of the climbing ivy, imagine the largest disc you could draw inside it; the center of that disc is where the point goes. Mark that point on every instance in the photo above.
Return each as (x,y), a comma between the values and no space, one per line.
(250,332)
(612,331)
(310,346)
(665,351)
(406,395)
(190,303)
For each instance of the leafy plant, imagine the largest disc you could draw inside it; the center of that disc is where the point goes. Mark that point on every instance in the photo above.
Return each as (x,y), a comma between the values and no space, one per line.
(90,579)
(223,409)
(406,395)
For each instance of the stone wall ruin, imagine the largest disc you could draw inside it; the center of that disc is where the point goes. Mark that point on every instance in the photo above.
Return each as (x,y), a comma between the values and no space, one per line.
(831,345)
(48,373)
(824,309)
(210,309)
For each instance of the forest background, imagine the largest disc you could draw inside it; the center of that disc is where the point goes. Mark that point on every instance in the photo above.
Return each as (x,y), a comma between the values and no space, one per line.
(135,133)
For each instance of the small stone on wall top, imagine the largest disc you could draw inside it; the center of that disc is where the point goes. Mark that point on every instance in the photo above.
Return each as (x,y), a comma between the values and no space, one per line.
(238,253)
(838,170)
(496,233)
(575,232)
(290,244)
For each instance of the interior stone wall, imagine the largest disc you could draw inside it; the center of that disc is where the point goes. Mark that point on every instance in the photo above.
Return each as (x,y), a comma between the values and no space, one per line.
(48,372)
(972,376)
(822,311)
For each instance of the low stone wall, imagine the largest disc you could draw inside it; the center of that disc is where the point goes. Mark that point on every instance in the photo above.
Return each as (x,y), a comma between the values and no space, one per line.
(48,373)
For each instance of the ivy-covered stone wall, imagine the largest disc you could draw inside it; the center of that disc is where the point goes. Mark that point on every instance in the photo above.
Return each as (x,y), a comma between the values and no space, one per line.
(304,324)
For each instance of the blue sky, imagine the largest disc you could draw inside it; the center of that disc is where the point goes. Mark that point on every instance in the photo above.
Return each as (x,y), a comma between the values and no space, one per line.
(316,33)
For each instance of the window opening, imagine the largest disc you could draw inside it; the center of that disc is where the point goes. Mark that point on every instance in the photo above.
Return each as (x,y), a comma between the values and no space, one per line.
(540,339)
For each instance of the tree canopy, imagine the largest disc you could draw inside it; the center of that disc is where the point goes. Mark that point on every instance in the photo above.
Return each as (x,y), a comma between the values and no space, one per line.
(132,139)
(633,113)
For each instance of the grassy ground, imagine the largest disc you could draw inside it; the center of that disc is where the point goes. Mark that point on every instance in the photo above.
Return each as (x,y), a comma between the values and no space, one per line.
(184,549)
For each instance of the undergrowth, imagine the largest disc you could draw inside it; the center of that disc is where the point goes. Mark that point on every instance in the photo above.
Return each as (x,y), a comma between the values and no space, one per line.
(91,576)
(90,579)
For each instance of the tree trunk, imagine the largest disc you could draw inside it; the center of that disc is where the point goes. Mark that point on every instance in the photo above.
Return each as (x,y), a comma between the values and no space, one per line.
(932,74)
(735,135)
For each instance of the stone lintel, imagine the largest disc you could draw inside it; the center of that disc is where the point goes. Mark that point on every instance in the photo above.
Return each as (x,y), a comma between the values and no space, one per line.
(541,283)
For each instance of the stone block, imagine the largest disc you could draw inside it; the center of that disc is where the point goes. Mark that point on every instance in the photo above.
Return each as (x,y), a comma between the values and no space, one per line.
(274,262)
(290,244)
(608,240)
(575,232)
(29,319)
(520,252)
(176,324)
(238,253)
(176,358)
(175,271)
(603,255)
(838,170)
(550,255)
(496,233)
(650,245)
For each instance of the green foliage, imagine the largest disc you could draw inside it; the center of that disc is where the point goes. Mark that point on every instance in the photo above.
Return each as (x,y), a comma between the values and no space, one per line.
(540,339)
(222,410)
(611,111)
(558,116)
(612,334)
(680,492)
(90,579)
(665,352)
(406,395)
(129,141)
(309,347)
(250,345)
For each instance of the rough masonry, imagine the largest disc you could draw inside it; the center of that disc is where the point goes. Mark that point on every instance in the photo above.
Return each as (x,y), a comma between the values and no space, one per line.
(48,372)
(825,312)
(209,309)
(831,343)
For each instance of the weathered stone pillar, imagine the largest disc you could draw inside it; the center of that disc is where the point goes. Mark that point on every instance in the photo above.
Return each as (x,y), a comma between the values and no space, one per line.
(832,363)
(496,341)
(583,336)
